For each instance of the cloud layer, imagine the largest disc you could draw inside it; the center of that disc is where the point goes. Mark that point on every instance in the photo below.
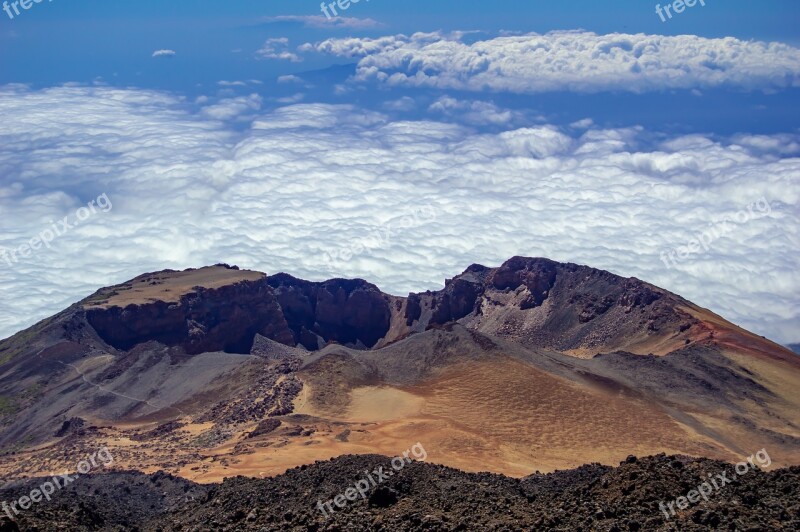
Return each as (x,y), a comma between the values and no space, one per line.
(568,61)
(297,188)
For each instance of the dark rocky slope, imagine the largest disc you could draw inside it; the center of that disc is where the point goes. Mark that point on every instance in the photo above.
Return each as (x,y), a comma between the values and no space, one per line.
(546,304)
(426,497)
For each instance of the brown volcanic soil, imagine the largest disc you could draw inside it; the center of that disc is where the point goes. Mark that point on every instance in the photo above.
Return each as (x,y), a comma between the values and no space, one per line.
(478,403)
(504,415)
(168,286)
(423,496)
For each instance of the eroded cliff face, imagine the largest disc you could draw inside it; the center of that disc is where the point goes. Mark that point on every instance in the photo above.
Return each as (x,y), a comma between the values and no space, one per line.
(226,318)
(537,301)
(460,297)
(537,275)
(350,312)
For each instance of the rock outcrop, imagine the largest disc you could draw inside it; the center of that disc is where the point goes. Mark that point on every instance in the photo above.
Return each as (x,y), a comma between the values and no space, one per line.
(227,317)
(207,319)
(346,311)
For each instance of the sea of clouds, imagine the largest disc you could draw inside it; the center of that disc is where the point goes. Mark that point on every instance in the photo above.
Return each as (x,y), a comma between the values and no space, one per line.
(299,187)
(300,183)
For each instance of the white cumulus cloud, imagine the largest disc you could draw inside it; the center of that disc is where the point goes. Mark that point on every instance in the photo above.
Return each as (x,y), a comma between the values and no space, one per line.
(476,112)
(577,61)
(277,48)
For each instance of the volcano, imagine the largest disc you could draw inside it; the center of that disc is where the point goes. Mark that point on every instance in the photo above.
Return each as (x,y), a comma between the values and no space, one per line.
(531,366)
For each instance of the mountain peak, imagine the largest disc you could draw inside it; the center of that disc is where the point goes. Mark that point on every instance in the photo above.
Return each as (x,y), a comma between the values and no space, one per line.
(536,301)
(219,356)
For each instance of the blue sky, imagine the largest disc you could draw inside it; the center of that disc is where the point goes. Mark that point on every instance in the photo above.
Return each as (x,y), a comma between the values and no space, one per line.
(79,40)
(266,136)
(88,41)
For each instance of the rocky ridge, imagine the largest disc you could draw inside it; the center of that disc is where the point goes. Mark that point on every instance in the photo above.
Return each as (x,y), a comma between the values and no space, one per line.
(425,496)
(537,301)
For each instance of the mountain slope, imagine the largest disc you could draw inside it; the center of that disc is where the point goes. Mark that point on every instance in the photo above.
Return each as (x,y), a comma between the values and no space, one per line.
(534,365)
